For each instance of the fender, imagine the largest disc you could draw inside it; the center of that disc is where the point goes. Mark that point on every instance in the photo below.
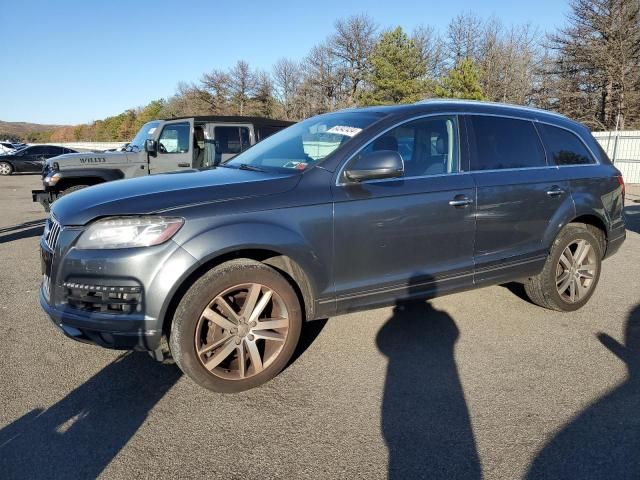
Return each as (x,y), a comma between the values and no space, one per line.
(105,174)
(589,204)
(563,215)
(223,241)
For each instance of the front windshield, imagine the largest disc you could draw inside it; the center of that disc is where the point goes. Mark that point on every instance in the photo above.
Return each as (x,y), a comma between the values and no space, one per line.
(137,144)
(305,144)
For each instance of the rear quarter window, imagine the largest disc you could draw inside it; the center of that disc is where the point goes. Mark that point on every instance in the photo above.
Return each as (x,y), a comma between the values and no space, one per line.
(499,143)
(266,131)
(564,147)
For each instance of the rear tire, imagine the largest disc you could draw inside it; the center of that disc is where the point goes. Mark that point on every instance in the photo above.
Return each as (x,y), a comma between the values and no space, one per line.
(236,327)
(571,272)
(6,168)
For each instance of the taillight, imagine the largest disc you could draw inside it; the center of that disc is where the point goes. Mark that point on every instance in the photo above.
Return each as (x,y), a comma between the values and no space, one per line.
(621,182)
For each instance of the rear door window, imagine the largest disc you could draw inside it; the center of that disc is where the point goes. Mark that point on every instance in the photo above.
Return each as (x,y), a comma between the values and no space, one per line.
(564,147)
(498,143)
(231,140)
(264,132)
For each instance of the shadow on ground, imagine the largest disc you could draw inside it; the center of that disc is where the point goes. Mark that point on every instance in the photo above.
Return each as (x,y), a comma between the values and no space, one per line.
(30,229)
(425,419)
(308,335)
(604,440)
(80,435)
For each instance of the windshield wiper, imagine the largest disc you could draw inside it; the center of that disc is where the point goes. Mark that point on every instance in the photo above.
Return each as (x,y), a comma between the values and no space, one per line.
(246,166)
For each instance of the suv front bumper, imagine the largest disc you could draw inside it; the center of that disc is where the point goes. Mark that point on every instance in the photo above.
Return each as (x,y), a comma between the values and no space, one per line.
(80,291)
(129,333)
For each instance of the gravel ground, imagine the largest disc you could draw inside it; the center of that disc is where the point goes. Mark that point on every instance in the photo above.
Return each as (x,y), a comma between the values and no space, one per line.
(479,384)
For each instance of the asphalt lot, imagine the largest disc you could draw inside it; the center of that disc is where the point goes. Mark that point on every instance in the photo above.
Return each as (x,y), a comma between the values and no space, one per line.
(479,384)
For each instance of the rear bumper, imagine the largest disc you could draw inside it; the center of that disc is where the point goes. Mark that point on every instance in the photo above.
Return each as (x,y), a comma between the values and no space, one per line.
(617,237)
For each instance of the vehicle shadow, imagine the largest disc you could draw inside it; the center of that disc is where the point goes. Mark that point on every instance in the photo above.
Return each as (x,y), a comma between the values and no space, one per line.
(425,419)
(30,229)
(604,440)
(308,335)
(82,433)
(632,217)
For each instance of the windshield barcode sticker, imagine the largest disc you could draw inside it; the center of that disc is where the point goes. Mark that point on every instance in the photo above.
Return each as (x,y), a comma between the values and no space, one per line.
(346,131)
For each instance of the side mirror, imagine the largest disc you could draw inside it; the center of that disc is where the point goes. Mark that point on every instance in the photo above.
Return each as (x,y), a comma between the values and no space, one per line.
(376,166)
(150,146)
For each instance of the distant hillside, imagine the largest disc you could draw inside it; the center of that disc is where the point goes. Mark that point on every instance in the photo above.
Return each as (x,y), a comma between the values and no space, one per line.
(24,130)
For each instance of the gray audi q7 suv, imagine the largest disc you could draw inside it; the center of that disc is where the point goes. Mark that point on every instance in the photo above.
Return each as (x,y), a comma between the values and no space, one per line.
(343,211)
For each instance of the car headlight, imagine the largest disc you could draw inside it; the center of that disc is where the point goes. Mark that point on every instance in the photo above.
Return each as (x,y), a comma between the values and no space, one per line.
(53,179)
(128,232)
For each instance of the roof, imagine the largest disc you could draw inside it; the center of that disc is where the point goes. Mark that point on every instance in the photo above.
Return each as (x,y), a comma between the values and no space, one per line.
(471,106)
(236,119)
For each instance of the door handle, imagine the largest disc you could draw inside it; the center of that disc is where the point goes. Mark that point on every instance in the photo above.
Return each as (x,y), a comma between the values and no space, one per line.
(460,201)
(555,192)
(184,164)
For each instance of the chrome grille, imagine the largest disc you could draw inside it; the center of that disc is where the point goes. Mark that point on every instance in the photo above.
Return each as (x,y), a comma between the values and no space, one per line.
(52,233)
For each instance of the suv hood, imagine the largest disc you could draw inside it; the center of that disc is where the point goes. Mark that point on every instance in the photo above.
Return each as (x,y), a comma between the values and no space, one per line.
(154,193)
(88,159)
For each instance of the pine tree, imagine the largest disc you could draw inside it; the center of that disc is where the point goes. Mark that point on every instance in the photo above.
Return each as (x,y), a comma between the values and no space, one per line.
(462,81)
(398,71)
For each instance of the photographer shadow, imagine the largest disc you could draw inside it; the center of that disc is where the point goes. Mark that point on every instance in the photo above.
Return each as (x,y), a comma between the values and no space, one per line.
(425,419)
(604,440)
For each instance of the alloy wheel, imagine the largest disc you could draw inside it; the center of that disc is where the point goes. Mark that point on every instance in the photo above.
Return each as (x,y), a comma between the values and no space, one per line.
(576,271)
(5,169)
(241,331)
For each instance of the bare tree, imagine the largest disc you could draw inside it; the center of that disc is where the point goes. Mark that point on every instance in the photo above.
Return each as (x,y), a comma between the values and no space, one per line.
(323,80)
(352,44)
(432,50)
(463,37)
(508,60)
(242,82)
(189,99)
(287,77)
(599,51)
(218,86)
(262,102)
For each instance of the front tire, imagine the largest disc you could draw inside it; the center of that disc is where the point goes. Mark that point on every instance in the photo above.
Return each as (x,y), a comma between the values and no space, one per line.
(236,327)
(6,168)
(571,272)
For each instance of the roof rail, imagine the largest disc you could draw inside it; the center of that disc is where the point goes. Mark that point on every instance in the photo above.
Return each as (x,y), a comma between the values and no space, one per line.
(483,102)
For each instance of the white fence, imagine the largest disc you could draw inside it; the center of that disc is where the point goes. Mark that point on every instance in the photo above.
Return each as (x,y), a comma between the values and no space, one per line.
(623,149)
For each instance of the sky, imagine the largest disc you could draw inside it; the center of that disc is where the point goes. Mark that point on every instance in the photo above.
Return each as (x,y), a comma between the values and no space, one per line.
(70,62)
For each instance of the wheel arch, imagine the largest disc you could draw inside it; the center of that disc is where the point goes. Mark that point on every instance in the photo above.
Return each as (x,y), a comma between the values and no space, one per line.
(91,176)
(73,181)
(289,268)
(597,226)
(568,213)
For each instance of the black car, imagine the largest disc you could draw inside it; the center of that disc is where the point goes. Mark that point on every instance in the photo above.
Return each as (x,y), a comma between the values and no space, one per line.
(344,211)
(30,159)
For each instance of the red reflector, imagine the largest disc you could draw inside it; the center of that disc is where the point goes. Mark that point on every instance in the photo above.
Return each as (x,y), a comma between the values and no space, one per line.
(621,182)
